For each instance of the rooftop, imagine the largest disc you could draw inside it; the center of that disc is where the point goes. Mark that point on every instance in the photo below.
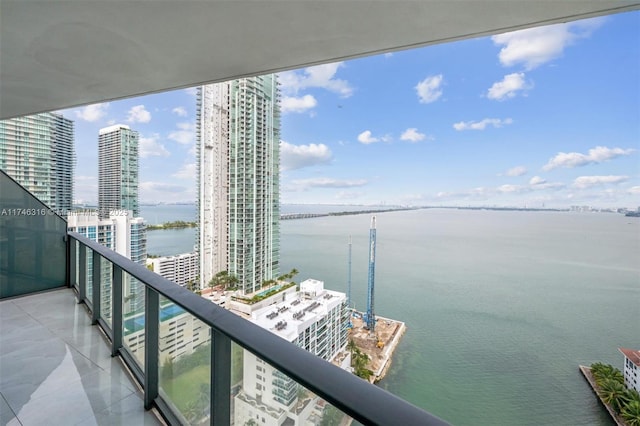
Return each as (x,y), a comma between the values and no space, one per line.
(632,354)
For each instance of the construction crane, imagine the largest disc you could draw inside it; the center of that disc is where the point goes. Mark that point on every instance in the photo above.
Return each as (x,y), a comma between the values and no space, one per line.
(370,319)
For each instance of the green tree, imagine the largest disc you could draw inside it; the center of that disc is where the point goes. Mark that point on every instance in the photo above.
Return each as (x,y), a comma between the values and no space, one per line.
(223,278)
(331,416)
(613,393)
(192,413)
(631,413)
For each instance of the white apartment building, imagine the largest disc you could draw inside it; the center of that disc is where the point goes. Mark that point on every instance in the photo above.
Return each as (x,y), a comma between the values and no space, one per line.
(180,334)
(180,268)
(314,319)
(631,368)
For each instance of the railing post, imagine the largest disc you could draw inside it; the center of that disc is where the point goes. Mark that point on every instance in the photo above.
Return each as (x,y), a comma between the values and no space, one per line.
(220,379)
(96,287)
(82,273)
(71,258)
(151,351)
(116,313)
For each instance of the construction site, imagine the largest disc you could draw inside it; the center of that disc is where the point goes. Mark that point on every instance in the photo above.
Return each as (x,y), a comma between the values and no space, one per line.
(379,345)
(373,335)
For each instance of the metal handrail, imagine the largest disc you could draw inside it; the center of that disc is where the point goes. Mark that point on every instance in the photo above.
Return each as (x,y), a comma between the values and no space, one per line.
(355,397)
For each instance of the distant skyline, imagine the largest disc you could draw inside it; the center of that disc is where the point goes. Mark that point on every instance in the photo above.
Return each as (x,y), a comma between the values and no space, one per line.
(548,116)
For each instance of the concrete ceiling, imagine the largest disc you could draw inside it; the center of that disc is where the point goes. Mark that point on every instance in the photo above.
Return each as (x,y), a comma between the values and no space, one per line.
(56,54)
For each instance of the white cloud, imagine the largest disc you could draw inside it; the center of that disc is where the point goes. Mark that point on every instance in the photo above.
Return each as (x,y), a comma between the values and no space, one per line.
(366,138)
(511,189)
(429,89)
(537,180)
(93,112)
(187,171)
(162,187)
(635,190)
(138,114)
(596,155)
(192,91)
(388,54)
(510,85)
(516,171)
(412,135)
(180,111)
(349,195)
(298,156)
(319,76)
(481,125)
(150,147)
(536,46)
(306,184)
(584,182)
(185,134)
(300,104)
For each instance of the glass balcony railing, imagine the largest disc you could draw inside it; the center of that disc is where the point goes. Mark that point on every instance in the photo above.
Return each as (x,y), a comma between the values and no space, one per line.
(196,362)
(201,364)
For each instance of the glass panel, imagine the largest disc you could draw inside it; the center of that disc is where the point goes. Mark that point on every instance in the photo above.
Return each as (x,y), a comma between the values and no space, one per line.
(133,337)
(106,309)
(185,363)
(265,396)
(32,246)
(76,279)
(89,275)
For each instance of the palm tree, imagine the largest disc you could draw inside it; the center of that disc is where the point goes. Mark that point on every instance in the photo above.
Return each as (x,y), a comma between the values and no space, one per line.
(192,412)
(631,413)
(602,372)
(614,394)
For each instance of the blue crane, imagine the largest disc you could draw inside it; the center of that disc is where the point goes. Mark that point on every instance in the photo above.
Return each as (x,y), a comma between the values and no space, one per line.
(370,319)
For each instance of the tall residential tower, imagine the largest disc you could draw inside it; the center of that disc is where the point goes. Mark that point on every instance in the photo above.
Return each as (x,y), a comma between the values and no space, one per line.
(117,170)
(38,152)
(238,180)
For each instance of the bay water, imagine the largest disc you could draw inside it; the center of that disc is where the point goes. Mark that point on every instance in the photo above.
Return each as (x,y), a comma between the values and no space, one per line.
(501,306)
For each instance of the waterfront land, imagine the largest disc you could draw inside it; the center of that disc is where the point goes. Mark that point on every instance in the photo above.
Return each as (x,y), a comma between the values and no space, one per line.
(176,224)
(607,382)
(379,346)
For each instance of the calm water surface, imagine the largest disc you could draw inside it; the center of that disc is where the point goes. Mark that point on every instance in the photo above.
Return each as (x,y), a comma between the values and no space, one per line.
(501,307)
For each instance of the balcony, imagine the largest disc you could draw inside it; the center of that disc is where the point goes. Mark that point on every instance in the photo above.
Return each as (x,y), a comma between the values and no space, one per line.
(69,328)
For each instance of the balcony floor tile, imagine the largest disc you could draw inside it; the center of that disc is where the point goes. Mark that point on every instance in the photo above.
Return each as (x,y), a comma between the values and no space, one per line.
(56,368)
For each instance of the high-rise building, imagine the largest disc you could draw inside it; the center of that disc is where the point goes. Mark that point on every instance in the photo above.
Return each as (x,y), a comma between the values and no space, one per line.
(38,152)
(118,170)
(238,180)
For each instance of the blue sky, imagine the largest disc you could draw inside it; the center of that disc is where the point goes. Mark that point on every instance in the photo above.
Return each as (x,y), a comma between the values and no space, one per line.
(542,117)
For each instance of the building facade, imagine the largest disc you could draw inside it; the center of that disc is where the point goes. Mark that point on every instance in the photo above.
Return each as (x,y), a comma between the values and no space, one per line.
(182,269)
(631,368)
(118,170)
(38,152)
(238,154)
(124,234)
(314,319)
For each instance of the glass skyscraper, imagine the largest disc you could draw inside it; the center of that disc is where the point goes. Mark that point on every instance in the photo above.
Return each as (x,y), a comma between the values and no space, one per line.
(118,170)
(38,152)
(238,180)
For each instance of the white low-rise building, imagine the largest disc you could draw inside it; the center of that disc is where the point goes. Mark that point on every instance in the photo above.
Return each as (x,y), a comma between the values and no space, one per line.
(631,368)
(182,269)
(314,319)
